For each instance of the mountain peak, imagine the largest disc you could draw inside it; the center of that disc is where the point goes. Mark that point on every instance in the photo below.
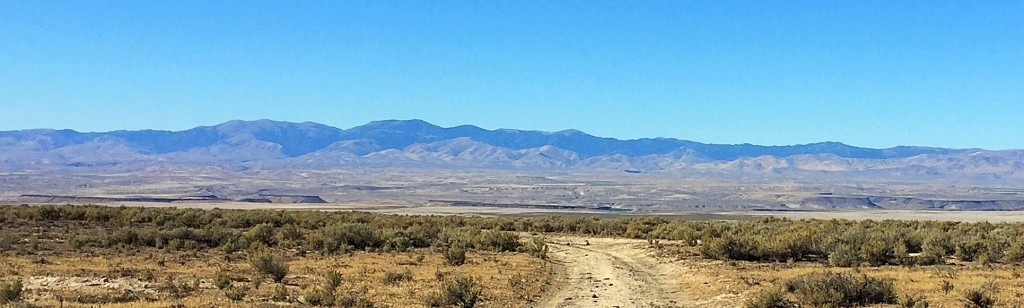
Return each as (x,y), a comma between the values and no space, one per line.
(571,132)
(399,124)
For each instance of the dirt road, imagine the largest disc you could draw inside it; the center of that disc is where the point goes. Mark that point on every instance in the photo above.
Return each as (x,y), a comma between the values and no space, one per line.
(609,273)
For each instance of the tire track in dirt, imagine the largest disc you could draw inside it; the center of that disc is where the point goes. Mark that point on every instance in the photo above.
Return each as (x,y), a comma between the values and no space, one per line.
(608,273)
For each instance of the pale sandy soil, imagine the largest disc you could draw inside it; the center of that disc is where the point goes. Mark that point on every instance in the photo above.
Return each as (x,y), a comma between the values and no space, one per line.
(966,216)
(602,272)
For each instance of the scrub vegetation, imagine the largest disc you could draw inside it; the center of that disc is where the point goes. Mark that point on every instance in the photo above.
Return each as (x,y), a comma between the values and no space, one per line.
(135,255)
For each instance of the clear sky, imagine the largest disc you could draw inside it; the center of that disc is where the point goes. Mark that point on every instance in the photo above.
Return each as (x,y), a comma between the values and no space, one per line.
(867,73)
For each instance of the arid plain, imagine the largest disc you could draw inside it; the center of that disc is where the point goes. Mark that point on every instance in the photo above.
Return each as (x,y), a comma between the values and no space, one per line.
(651,249)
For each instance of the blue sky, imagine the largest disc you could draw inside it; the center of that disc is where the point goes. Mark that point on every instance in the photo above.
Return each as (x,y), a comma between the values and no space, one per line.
(867,73)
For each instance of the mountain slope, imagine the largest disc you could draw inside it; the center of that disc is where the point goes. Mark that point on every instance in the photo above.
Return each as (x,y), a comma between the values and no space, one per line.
(272,144)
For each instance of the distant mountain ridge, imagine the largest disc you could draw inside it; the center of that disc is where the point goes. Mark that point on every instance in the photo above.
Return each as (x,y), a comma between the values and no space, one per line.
(273,144)
(301,138)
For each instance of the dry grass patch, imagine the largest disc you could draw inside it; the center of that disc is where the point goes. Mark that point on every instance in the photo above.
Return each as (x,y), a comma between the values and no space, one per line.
(713,283)
(156,278)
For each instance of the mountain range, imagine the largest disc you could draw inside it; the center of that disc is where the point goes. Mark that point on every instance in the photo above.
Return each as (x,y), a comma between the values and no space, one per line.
(416,143)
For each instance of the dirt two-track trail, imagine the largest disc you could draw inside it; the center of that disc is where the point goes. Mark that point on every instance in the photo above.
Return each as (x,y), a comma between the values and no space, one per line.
(602,272)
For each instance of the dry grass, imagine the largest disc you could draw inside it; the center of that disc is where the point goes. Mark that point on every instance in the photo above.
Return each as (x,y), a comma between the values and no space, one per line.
(103,278)
(713,283)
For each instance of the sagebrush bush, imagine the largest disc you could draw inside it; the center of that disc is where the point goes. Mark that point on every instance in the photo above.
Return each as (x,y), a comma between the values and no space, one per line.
(934,250)
(268,264)
(537,247)
(332,279)
(769,298)
(901,255)
(876,251)
(497,241)
(261,233)
(11,291)
(978,298)
(233,245)
(221,280)
(1015,252)
(289,236)
(338,238)
(831,289)
(844,256)
(724,248)
(969,250)
(460,291)
(454,255)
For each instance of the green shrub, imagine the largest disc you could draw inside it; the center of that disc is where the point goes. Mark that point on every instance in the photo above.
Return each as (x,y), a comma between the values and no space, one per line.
(449,237)
(342,237)
(1015,252)
(840,242)
(332,279)
(769,298)
(458,292)
(537,248)
(497,241)
(268,264)
(261,233)
(221,280)
(844,256)
(969,250)
(393,278)
(289,236)
(398,243)
(725,248)
(454,255)
(901,255)
(11,291)
(876,252)
(841,290)
(233,245)
(978,298)
(934,251)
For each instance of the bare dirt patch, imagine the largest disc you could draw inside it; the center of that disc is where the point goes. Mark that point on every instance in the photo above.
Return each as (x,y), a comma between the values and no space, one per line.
(601,272)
